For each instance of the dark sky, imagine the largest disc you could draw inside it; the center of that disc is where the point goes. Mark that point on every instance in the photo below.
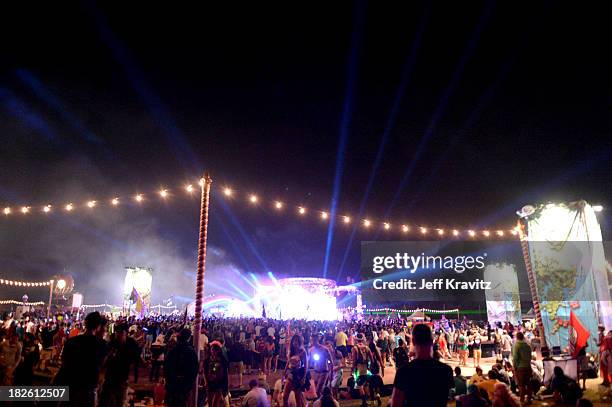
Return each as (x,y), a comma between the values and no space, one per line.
(496,105)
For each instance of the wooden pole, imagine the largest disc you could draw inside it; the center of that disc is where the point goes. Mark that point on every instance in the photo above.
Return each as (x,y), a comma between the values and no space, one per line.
(532,283)
(50,297)
(205,183)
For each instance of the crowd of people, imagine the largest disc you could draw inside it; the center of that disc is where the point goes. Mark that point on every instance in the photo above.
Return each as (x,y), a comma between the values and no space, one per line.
(318,361)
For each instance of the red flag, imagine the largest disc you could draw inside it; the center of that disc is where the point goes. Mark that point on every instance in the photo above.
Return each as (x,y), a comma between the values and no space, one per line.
(578,335)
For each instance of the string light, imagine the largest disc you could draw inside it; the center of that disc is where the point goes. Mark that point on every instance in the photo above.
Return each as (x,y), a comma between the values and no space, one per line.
(301,210)
(14,302)
(25,283)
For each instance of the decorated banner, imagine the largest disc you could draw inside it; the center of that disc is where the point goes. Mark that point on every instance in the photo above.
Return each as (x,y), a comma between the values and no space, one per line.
(568,266)
(503,299)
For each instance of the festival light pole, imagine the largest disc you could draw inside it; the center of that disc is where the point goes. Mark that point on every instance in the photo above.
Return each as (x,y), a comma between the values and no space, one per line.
(50,297)
(205,184)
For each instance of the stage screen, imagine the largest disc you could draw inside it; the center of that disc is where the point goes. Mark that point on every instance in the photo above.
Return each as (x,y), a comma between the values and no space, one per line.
(141,279)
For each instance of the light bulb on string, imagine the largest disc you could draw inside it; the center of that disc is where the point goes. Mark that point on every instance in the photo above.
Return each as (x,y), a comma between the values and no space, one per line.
(189,188)
(302,210)
(441,232)
(346,219)
(6,211)
(324,215)
(252,198)
(47,208)
(423,230)
(500,233)
(228,192)
(91,204)
(25,209)
(163,193)
(138,197)
(69,207)
(278,205)
(455,232)
(366,223)
(405,228)
(115,201)
(471,233)
(386,225)
(486,233)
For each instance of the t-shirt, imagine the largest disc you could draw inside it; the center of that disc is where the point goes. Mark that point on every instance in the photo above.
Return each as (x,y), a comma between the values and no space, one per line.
(425,382)
(341,339)
(460,385)
(256,397)
(81,361)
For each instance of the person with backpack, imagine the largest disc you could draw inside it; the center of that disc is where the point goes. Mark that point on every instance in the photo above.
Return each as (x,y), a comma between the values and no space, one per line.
(180,370)
(216,375)
(362,356)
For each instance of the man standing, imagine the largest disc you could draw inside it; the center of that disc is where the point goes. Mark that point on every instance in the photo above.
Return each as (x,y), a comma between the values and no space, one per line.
(123,352)
(424,382)
(341,339)
(82,359)
(521,358)
(181,370)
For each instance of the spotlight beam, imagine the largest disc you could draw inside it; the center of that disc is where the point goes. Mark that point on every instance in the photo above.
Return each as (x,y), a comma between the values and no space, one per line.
(358,19)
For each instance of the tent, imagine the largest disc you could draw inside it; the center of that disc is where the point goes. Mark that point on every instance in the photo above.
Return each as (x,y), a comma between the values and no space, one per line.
(417,315)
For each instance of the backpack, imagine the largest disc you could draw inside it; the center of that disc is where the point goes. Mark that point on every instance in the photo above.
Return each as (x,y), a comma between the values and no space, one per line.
(401,357)
(362,355)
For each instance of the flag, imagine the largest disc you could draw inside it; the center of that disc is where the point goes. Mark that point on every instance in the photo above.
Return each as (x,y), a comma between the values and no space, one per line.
(263,311)
(134,296)
(578,335)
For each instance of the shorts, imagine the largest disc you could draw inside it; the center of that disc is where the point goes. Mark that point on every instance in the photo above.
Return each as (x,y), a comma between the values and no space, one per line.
(342,350)
(361,380)
(523,376)
(236,367)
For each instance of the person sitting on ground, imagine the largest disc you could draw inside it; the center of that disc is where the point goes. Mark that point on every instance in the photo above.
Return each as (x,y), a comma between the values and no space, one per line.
(472,398)
(256,397)
(502,397)
(424,382)
(326,399)
(460,383)
(489,384)
(565,389)
(478,376)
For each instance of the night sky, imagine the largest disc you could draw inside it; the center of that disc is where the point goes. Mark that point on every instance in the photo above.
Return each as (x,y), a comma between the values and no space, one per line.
(481,108)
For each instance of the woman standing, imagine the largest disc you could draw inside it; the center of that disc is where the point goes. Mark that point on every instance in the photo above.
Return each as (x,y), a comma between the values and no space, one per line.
(295,371)
(477,348)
